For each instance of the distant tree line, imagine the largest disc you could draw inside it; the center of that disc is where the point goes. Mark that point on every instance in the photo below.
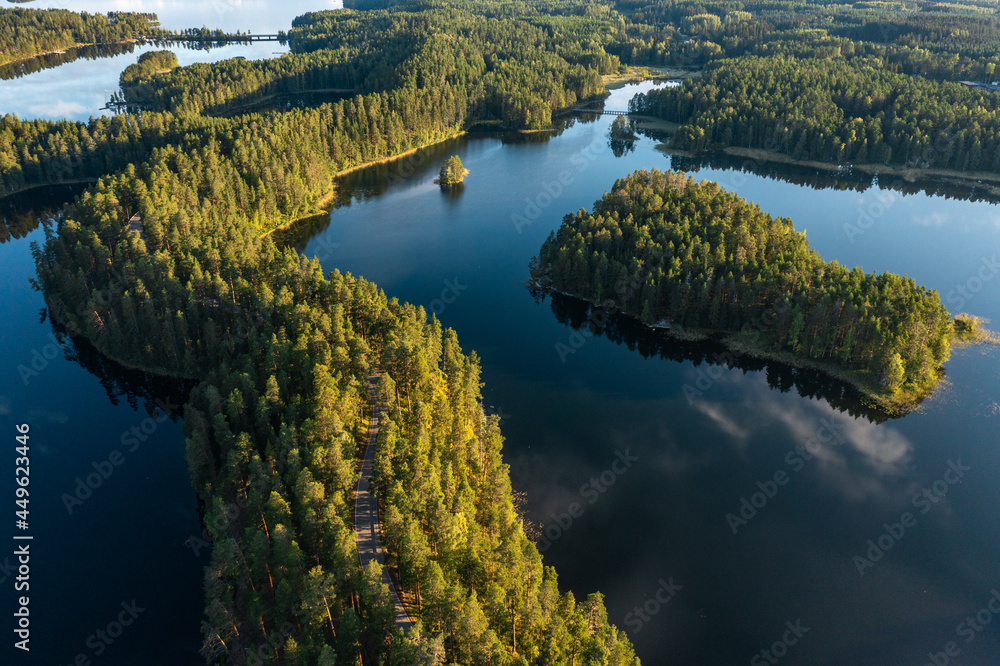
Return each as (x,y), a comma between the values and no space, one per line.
(833,111)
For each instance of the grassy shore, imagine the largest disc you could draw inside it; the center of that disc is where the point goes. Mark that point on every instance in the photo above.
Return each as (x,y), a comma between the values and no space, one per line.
(636,73)
(894,403)
(971,330)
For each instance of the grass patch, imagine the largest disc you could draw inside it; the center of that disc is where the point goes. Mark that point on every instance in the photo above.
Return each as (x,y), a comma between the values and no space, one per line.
(971,330)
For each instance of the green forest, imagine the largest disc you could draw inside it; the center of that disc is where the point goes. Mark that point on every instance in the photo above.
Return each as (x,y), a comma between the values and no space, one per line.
(673,252)
(283,353)
(26,33)
(862,83)
(452,172)
(834,111)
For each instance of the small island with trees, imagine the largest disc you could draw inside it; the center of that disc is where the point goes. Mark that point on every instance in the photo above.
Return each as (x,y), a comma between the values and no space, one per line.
(698,260)
(452,172)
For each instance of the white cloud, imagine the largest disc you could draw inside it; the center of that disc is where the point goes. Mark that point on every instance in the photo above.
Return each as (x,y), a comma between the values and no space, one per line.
(724,423)
(935,219)
(60,109)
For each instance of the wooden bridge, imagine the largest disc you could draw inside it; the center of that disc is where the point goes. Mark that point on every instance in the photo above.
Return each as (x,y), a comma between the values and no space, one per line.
(214,38)
(605,112)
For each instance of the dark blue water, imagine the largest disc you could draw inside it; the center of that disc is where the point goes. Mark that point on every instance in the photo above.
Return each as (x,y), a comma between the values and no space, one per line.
(704,434)
(632,448)
(110,505)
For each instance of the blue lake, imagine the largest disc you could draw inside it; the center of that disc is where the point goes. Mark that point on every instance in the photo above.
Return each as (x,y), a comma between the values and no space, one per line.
(632,448)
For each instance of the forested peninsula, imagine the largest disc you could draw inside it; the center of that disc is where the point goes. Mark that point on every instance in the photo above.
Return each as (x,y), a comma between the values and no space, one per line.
(832,111)
(165,264)
(692,256)
(887,87)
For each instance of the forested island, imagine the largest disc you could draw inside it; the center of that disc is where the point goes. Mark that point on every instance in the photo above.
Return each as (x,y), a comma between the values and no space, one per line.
(452,172)
(695,258)
(26,33)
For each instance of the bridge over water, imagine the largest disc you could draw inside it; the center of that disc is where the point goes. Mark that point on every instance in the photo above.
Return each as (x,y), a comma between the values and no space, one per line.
(214,38)
(604,112)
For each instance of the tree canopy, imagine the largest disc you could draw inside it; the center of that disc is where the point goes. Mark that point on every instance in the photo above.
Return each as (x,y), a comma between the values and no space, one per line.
(452,172)
(26,33)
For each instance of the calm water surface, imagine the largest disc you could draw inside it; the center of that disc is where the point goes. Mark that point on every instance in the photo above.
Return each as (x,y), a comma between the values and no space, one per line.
(103,533)
(567,414)
(698,436)
(77,90)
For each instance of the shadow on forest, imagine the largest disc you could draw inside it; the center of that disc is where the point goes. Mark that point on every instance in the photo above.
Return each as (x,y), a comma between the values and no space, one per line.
(154,393)
(20,214)
(625,330)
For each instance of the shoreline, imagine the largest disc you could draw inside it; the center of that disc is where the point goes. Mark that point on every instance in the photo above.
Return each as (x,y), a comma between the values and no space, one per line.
(324,201)
(988,180)
(640,73)
(904,402)
(65,49)
(72,181)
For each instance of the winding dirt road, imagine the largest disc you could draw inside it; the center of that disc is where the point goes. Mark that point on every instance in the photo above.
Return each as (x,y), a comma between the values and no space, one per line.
(367,526)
